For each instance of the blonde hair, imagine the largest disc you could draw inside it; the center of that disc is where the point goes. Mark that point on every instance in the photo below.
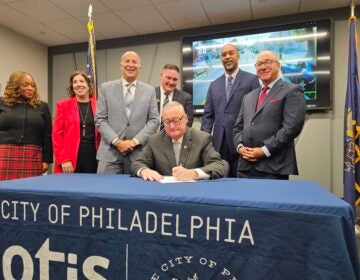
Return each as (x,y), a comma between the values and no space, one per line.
(12,94)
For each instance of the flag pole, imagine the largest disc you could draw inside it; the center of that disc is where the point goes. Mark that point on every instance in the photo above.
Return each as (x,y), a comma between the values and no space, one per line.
(91,59)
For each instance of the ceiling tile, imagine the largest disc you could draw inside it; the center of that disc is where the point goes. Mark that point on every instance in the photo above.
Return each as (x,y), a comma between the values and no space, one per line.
(40,10)
(111,26)
(143,18)
(161,1)
(190,24)
(226,11)
(81,7)
(311,5)
(125,4)
(9,17)
(266,8)
(183,12)
(43,34)
(71,28)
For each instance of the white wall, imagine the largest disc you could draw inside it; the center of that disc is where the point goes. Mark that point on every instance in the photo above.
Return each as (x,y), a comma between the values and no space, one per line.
(20,53)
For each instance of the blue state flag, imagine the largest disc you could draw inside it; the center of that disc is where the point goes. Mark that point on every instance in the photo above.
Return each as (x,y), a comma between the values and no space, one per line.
(91,58)
(352,125)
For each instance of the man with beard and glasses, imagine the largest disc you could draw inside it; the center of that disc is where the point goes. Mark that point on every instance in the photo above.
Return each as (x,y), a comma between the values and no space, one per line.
(223,104)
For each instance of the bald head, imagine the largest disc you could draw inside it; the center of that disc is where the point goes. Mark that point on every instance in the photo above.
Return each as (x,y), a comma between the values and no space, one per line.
(267,67)
(230,58)
(130,66)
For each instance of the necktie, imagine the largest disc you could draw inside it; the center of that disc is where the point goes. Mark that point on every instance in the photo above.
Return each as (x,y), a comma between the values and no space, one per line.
(128,99)
(166,99)
(177,148)
(228,87)
(262,96)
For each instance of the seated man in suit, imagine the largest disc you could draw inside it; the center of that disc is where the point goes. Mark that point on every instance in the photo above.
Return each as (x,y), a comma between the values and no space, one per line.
(270,119)
(167,92)
(185,153)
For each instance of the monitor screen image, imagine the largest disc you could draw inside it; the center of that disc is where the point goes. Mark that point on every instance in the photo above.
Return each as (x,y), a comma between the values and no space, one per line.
(304,51)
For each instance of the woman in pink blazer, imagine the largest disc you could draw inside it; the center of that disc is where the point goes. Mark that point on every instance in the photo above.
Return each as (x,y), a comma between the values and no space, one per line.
(74,136)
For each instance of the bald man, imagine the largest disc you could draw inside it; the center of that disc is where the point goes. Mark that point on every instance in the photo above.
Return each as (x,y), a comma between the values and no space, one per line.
(223,104)
(126,116)
(269,120)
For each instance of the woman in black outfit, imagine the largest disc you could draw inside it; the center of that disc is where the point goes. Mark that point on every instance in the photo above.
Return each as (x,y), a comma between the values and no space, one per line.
(25,129)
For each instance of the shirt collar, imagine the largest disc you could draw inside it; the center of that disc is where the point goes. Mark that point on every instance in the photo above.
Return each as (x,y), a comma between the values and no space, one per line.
(271,84)
(178,141)
(233,74)
(163,91)
(126,83)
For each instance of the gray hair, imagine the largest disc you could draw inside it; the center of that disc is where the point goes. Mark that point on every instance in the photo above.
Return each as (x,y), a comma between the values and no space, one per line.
(130,52)
(174,104)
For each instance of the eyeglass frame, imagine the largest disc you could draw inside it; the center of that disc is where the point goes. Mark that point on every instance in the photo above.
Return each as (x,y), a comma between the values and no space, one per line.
(267,63)
(175,121)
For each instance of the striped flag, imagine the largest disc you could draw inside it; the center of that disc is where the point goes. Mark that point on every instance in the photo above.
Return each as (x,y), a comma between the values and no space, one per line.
(91,54)
(352,124)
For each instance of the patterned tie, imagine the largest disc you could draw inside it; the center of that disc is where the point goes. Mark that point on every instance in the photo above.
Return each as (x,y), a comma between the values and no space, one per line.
(177,148)
(128,99)
(262,97)
(228,87)
(166,99)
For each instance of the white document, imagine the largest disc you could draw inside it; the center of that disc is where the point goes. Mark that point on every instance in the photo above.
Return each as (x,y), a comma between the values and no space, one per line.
(171,179)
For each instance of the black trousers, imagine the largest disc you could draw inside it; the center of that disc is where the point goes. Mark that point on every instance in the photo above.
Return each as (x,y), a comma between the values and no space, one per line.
(232,159)
(86,161)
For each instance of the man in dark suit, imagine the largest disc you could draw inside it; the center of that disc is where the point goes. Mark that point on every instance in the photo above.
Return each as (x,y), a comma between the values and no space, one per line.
(269,120)
(223,104)
(180,151)
(126,115)
(167,91)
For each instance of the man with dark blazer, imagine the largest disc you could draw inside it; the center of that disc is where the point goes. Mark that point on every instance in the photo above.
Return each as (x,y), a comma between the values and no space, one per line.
(223,104)
(126,115)
(269,120)
(180,151)
(167,91)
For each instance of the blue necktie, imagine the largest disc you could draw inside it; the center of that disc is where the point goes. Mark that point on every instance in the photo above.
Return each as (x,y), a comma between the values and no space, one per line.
(228,87)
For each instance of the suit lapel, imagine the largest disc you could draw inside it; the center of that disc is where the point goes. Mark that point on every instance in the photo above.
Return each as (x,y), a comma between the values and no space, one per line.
(158,98)
(176,96)
(137,98)
(169,150)
(273,91)
(185,147)
(75,111)
(120,96)
(235,84)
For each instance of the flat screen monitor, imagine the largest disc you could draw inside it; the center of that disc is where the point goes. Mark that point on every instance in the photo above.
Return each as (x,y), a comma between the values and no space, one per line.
(304,51)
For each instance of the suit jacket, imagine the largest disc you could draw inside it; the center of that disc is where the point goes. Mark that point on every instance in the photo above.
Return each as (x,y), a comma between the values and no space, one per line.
(221,115)
(197,151)
(112,121)
(276,124)
(183,98)
(66,132)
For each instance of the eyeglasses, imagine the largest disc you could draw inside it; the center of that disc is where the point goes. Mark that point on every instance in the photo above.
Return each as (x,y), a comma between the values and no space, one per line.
(266,63)
(175,121)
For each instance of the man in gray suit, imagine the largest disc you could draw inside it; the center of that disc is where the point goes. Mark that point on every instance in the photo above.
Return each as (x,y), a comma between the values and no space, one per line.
(270,119)
(167,91)
(126,115)
(180,151)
